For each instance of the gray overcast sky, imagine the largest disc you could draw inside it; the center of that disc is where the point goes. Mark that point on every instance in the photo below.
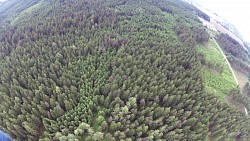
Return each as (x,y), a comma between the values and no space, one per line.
(235,11)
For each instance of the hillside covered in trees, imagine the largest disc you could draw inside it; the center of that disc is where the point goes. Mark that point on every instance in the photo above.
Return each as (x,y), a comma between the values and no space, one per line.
(107,70)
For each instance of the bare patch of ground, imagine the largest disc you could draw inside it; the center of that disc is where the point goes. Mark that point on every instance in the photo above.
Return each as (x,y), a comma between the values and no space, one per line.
(241,77)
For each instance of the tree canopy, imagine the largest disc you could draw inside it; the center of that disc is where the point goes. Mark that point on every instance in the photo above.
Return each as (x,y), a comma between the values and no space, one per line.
(109,70)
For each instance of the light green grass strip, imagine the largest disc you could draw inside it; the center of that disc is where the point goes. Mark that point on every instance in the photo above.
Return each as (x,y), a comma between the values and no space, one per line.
(215,82)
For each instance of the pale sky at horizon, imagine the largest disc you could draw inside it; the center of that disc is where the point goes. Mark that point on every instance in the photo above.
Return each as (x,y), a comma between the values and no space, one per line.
(236,12)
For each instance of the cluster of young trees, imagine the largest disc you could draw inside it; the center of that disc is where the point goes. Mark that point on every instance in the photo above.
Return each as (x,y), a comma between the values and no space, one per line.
(190,36)
(238,56)
(242,98)
(233,47)
(109,70)
(216,66)
(204,16)
(239,64)
(246,89)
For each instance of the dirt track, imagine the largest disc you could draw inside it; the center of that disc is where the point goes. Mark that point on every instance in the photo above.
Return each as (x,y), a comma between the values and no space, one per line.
(227,61)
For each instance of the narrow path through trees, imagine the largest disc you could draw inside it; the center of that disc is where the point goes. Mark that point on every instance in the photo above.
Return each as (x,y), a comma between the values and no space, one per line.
(226,61)
(229,67)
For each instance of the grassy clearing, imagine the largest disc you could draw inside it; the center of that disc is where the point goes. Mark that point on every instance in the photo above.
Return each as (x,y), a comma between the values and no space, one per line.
(216,82)
(211,53)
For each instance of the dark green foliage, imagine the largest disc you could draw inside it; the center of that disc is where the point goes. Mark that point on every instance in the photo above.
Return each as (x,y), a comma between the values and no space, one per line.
(191,36)
(239,64)
(246,89)
(232,46)
(244,97)
(242,100)
(109,70)
(204,16)
(238,55)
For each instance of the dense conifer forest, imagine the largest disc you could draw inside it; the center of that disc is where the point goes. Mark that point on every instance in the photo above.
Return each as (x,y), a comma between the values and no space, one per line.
(107,70)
